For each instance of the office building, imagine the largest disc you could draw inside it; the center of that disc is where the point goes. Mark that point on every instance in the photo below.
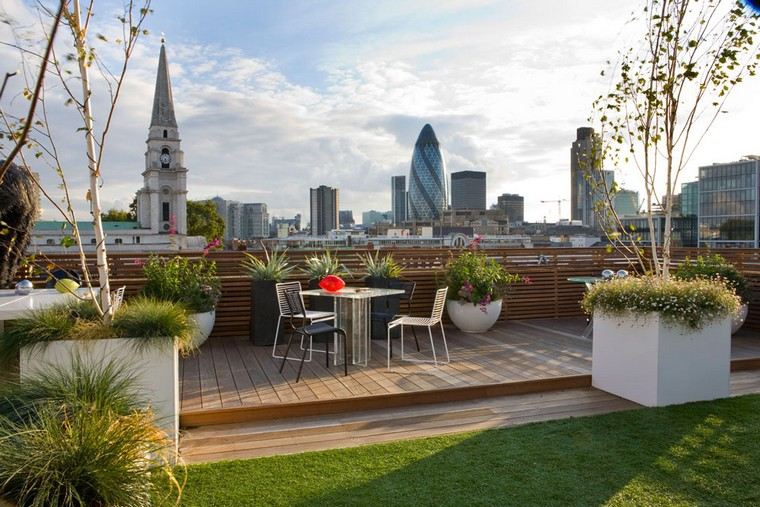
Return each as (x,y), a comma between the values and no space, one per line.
(468,190)
(690,199)
(254,221)
(729,208)
(398,199)
(626,203)
(373,217)
(513,206)
(346,219)
(587,179)
(324,210)
(428,194)
(683,230)
(291,225)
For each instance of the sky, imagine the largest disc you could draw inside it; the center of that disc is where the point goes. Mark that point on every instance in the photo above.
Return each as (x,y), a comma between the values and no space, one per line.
(273,98)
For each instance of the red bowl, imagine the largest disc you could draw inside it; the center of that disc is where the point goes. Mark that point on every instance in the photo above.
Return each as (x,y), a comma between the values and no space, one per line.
(332,283)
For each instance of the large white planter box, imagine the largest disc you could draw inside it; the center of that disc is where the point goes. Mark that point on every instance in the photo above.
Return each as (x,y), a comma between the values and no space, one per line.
(643,358)
(155,369)
(473,318)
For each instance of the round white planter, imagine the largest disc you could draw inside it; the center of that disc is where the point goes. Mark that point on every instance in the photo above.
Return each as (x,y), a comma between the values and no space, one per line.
(472,318)
(738,321)
(204,323)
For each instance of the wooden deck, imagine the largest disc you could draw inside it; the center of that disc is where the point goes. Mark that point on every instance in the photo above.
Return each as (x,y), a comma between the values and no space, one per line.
(267,438)
(231,380)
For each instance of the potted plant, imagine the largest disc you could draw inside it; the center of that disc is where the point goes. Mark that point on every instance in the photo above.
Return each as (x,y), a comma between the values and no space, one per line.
(716,267)
(193,284)
(381,271)
(476,287)
(660,342)
(316,268)
(265,274)
(146,334)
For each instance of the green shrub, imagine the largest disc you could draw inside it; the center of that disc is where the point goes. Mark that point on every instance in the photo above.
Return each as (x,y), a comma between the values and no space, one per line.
(474,278)
(274,269)
(77,439)
(691,303)
(385,267)
(191,283)
(715,266)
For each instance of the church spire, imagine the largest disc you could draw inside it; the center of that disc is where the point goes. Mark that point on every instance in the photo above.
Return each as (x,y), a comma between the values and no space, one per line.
(163,105)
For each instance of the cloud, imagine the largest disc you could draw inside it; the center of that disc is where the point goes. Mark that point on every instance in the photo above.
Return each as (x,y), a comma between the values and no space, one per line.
(504,84)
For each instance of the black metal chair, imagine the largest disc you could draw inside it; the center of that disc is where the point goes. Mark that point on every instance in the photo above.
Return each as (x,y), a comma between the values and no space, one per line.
(387,316)
(318,331)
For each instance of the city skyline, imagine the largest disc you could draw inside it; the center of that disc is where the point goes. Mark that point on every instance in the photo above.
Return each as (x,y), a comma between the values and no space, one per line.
(272,110)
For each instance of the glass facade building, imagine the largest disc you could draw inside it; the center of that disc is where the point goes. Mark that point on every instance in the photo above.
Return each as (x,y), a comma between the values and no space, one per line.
(728,204)
(587,177)
(428,193)
(324,209)
(690,199)
(398,199)
(683,230)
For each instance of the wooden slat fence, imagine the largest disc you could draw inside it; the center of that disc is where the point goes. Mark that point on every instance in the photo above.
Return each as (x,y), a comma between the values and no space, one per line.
(548,295)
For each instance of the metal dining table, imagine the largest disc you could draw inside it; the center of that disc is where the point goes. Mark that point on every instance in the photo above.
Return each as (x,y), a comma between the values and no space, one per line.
(352,315)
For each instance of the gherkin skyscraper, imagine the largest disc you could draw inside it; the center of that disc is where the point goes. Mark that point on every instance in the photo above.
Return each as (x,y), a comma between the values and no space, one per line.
(428,193)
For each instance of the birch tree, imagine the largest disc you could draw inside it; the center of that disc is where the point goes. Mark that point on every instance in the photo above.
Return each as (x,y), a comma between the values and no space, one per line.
(667,93)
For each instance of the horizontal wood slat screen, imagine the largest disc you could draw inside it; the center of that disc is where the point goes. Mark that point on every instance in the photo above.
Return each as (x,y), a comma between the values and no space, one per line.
(548,295)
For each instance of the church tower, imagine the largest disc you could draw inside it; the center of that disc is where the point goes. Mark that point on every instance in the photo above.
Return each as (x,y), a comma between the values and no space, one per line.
(162,202)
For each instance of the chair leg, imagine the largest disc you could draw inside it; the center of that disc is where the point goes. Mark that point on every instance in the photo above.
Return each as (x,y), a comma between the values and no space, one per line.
(432,345)
(388,353)
(276,334)
(416,341)
(445,346)
(327,353)
(300,368)
(287,349)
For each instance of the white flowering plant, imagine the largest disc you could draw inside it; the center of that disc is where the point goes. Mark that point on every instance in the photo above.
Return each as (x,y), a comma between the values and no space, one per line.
(692,303)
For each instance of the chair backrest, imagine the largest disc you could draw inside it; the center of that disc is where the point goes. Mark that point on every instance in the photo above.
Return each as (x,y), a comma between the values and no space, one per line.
(438,304)
(295,305)
(407,286)
(117,297)
(282,289)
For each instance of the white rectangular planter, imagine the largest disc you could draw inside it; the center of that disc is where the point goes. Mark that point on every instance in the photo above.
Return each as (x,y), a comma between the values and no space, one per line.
(155,369)
(645,359)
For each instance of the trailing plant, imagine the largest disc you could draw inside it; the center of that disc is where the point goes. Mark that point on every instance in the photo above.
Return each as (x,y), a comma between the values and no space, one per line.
(319,266)
(81,437)
(476,279)
(715,266)
(194,283)
(377,267)
(275,268)
(149,322)
(691,303)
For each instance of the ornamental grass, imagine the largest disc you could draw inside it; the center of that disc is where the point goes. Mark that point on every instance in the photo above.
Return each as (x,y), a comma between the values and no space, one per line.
(691,303)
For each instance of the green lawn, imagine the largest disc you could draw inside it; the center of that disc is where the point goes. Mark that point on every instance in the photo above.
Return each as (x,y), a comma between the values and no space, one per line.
(697,454)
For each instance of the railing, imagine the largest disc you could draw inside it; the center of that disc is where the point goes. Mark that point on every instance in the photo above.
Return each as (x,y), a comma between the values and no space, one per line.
(549,295)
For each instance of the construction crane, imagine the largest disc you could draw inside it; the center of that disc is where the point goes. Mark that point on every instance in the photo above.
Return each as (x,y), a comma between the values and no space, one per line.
(559,206)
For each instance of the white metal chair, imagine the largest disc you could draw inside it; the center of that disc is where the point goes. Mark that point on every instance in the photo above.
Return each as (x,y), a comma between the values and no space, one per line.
(435,318)
(309,316)
(117,297)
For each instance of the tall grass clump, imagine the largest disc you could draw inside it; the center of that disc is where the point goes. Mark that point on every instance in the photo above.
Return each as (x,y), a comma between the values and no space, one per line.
(81,438)
(150,321)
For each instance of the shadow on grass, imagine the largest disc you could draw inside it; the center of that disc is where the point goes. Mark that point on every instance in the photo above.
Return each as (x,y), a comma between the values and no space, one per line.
(704,453)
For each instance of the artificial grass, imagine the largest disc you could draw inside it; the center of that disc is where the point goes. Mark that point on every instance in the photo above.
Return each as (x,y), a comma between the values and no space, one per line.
(697,454)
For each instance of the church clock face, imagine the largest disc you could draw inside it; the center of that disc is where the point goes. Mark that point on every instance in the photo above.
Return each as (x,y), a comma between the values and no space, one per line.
(165,158)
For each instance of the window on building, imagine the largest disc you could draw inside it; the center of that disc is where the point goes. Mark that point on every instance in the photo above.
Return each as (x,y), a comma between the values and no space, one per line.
(137,239)
(165,212)
(165,158)
(165,133)
(50,242)
(92,241)
(118,241)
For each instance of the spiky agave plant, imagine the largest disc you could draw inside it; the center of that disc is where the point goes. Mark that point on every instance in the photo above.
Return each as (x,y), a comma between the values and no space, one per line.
(319,266)
(274,269)
(377,267)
